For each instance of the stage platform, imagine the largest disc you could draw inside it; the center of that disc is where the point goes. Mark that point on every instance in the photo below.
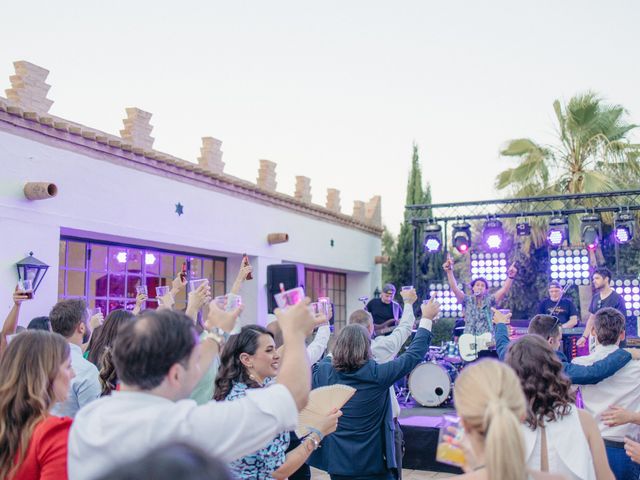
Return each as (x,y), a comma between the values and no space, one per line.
(421,426)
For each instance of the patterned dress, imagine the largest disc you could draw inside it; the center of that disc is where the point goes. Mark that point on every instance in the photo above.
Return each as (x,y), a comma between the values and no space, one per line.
(261,464)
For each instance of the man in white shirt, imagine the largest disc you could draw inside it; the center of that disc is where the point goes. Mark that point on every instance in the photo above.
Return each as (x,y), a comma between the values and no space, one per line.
(69,318)
(386,348)
(620,389)
(157,359)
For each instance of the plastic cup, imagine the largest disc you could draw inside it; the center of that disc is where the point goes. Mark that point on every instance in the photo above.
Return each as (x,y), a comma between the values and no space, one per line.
(406,287)
(142,290)
(162,291)
(26,287)
(447,452)
(316,308)
(233,302)
(221,302)
(195,284)
(325,304)
(289,298)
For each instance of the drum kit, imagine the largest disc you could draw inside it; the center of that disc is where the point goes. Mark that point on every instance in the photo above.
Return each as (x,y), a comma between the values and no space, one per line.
(431,382)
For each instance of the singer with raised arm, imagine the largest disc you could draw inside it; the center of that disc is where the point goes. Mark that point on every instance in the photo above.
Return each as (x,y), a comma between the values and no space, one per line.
(477,307)
(557,305)
(385,311)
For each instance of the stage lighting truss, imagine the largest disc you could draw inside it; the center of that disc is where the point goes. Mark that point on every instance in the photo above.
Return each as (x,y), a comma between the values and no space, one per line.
(558,232)
(623,229)
(490,266)
(432,238)
(493,234)
(569,264)
(461,236)
(591,228)
(449,305)
(629,289)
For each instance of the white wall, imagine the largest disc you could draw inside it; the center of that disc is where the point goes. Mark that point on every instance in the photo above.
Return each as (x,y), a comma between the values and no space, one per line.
(114,200)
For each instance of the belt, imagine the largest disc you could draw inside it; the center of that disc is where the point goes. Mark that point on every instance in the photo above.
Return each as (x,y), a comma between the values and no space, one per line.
(613,444)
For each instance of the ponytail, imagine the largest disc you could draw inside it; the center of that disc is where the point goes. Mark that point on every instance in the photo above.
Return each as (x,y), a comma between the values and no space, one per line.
(489,398)
(504,452)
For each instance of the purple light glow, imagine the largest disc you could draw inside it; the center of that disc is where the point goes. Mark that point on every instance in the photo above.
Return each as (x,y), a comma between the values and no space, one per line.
(621,234)
(555,237)
(432,245)
(494,241)
(121,257)
(149,258)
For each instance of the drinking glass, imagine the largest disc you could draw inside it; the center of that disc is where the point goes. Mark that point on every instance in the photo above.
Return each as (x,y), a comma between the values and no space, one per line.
(289,298)
(26,287)
(447,452)
(142,290)
(195,284)
(162,291)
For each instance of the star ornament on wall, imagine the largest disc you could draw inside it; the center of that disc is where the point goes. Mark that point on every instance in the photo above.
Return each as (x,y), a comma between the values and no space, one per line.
(179,209)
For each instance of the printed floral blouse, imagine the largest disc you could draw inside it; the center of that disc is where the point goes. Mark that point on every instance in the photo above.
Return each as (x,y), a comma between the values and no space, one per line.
(261,464)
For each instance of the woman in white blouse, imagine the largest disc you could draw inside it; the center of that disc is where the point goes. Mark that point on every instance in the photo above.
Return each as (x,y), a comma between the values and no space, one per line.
(559,438)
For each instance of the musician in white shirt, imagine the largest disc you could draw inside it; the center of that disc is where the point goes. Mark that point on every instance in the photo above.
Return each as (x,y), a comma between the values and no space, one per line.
(159,361)
(620,389)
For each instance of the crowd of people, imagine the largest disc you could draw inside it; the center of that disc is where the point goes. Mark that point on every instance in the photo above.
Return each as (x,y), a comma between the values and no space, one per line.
(195,395)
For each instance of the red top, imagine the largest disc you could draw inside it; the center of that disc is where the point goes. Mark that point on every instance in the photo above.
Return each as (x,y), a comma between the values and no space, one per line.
(46,457)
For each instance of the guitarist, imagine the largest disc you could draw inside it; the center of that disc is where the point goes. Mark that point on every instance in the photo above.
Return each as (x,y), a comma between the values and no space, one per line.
(477,307)
(385,311)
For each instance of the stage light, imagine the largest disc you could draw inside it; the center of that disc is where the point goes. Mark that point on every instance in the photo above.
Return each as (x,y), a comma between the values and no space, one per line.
(569,264)
(449,305)
(523,229)
(623,227)
(591,228)
(629,289)
(461,236)
(558,232)
(121,257)
(493,234)
(432,238)
(149,258)
(490,266)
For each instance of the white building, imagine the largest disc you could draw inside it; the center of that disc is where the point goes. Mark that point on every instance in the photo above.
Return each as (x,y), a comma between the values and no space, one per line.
(114,222)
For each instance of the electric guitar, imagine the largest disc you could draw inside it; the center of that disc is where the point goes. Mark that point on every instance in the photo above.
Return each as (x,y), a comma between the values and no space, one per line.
(385,327)
(470,345)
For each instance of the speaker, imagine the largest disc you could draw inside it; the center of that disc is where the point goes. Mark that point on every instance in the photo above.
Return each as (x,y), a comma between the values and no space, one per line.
(285,273)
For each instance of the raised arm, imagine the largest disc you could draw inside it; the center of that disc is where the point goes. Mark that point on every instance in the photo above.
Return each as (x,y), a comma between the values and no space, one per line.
(453,285)
(392,371)
(502,332)
(506,286)
(11,322)
(319,344)
(386,348)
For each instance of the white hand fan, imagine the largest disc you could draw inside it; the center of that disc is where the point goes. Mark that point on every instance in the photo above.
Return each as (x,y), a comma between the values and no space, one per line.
(322,401)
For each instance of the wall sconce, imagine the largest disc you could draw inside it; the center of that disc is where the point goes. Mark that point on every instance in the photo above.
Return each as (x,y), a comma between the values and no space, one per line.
(30,268)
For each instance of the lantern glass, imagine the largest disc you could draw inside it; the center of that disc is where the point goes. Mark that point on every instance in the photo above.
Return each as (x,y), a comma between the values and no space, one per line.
(30,268)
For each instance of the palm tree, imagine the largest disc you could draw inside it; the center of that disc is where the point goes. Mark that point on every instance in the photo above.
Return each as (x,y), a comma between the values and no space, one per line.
(593,154)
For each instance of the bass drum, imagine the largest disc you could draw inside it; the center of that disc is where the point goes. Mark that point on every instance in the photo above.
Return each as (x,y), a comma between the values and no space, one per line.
(431,384)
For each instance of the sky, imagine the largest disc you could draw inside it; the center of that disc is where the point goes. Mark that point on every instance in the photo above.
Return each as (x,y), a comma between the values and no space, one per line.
(334,90)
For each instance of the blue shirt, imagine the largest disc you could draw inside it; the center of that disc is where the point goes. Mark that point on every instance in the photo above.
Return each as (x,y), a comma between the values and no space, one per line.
(84,388)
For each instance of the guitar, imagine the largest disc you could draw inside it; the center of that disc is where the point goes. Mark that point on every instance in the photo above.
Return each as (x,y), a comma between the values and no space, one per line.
(470,345)
(385,327)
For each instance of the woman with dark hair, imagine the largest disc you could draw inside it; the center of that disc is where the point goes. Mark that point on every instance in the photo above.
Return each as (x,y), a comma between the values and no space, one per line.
(35,373)
(250,360)
(39,323)
(101,345)
(559,438)
(363,446)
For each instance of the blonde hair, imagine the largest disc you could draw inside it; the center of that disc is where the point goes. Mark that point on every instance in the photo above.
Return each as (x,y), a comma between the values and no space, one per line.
(489,398)
(28,368)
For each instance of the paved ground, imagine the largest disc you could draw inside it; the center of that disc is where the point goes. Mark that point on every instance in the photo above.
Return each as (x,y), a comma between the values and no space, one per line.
(406,475)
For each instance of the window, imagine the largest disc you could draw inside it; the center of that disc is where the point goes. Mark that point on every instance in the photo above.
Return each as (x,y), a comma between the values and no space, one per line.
(319,283)
(106,275)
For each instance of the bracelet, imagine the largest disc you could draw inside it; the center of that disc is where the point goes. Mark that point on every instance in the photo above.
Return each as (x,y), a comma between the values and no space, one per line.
(314,430)
(316,444)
